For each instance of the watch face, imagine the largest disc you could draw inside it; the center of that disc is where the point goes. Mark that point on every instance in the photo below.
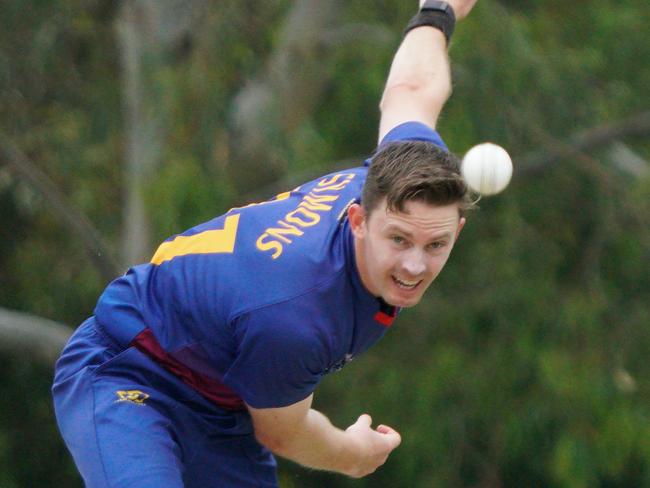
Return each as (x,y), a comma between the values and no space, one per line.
(436,5)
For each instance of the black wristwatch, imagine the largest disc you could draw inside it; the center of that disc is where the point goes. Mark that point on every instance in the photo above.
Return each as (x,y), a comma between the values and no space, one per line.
(435,14)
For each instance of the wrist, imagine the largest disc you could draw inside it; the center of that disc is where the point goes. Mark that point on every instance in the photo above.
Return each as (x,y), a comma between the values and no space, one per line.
(354,454)
(351,459)
(436,14)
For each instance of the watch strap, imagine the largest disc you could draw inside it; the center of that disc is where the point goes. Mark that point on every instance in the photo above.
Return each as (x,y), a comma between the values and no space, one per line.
(437,14)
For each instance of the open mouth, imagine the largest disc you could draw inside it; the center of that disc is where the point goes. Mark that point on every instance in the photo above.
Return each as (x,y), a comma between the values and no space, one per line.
(406,285)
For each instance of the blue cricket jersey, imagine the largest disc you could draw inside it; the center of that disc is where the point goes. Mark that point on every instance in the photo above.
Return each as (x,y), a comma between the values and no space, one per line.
(258,304)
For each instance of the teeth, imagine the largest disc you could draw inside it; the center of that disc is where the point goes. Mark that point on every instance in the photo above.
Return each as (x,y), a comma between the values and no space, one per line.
(407,284)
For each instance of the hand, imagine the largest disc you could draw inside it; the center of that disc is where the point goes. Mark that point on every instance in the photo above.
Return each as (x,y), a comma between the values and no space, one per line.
(374,446)
(461,7)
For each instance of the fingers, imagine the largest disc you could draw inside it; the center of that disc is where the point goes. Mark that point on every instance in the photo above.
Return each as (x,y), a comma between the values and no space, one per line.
(384,429)
(392,435)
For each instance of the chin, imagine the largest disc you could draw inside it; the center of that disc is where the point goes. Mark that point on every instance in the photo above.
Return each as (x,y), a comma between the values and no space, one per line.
(402,302)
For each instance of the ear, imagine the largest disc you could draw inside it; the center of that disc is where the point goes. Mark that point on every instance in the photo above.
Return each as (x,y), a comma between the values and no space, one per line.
(461,224)
(357,218)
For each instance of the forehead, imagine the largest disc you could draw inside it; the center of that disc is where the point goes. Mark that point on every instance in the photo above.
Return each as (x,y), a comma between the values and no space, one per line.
(417,216)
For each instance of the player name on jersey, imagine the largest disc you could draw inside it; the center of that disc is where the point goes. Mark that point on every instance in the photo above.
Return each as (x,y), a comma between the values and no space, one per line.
(305,215)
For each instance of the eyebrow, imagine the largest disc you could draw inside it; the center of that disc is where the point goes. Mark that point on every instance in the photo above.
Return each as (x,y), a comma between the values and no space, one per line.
(397,228)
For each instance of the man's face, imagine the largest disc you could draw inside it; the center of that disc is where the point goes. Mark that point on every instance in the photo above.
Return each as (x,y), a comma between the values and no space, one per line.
(399,254)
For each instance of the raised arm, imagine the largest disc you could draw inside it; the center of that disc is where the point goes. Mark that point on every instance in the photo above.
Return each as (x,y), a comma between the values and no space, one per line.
(419,81)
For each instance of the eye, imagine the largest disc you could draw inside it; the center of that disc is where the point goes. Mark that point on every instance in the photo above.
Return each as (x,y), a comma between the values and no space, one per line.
(399,240)
(437,245)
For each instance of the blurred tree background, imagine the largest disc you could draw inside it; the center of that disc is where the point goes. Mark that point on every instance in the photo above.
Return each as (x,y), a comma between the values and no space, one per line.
(527,363)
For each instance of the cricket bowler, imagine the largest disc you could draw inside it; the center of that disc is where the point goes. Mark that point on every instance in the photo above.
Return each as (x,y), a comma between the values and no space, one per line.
(197,367)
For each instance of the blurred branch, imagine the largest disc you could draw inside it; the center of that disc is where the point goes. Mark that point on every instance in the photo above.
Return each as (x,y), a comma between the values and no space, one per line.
(32,337)
(629,161)
(76,221)
(577,148)
(531,163)
(536,161)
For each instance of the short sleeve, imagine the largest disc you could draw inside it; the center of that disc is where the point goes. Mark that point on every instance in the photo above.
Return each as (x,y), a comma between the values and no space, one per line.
(278,362)
(412,131)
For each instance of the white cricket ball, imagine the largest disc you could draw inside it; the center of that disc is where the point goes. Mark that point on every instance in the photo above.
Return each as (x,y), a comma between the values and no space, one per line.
(487,168)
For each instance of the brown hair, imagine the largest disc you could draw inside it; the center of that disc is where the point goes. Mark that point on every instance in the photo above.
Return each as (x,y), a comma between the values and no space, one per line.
(414,170)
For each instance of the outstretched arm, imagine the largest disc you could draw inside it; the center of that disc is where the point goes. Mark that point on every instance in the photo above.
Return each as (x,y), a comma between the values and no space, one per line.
(419,81)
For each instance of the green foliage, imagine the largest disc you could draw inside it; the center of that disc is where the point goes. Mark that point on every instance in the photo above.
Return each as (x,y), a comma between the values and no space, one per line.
(526,365)
(30,450)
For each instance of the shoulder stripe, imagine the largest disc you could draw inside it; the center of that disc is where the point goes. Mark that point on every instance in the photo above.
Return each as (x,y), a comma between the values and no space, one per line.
(208,242)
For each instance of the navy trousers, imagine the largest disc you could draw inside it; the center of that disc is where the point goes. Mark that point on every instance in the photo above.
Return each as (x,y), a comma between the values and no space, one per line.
(129,422)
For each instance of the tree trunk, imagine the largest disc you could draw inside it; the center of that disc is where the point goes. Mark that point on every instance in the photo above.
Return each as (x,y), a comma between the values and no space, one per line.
(148,31)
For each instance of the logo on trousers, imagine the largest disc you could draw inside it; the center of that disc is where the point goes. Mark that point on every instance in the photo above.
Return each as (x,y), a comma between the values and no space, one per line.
(134,396)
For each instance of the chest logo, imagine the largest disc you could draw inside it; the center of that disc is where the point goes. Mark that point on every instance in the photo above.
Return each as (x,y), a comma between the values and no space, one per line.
(133,396)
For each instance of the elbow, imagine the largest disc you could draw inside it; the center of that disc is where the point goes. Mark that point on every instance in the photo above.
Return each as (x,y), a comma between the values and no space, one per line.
(270,442)
(279,445)
(418,92)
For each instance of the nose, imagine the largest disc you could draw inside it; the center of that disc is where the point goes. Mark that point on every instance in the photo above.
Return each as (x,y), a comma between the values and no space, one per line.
(414,263)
